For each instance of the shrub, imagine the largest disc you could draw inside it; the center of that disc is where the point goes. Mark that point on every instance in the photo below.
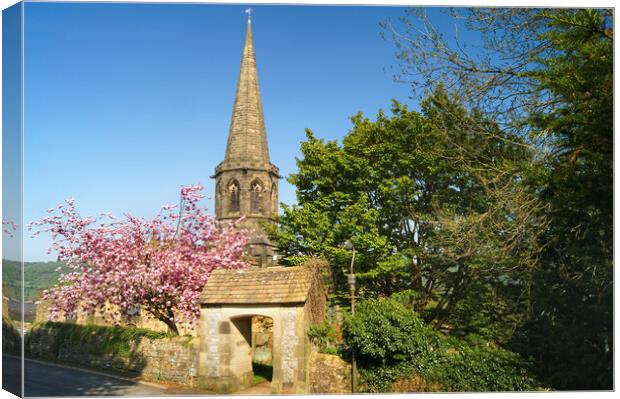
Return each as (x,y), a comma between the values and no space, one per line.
(385,332)
(324,337)
(392,343)
(480,368)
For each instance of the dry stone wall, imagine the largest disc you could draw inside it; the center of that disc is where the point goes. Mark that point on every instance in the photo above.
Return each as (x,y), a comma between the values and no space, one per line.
(167,359)
(329,374)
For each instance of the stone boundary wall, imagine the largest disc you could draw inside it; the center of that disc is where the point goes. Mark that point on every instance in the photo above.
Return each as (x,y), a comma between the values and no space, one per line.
(329,374)
(166,359)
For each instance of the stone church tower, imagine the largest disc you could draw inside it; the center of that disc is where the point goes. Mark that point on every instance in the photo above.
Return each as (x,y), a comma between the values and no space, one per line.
(246,182)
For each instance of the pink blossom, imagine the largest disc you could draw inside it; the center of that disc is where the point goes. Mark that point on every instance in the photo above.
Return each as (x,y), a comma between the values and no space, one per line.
(160,265)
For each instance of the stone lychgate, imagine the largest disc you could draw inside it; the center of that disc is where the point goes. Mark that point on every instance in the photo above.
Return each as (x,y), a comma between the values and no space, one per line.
(293,297)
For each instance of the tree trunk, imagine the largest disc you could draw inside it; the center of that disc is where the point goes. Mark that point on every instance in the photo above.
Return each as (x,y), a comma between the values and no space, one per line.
(166,318)
(172,327)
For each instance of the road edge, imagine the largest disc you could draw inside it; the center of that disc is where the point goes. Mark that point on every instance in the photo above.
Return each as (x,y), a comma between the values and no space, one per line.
(101,373)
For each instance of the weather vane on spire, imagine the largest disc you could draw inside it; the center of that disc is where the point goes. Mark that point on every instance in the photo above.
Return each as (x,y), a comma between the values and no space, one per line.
(249,12)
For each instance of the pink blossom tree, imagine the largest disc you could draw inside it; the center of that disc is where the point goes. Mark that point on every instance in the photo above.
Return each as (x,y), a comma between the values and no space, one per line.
(160,265)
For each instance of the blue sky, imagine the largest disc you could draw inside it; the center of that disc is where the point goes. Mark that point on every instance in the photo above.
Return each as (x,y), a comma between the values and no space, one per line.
(11,126)
(125,103)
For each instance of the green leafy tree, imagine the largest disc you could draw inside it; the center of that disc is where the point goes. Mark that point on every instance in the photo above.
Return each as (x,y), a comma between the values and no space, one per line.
(546,77)
(430,205)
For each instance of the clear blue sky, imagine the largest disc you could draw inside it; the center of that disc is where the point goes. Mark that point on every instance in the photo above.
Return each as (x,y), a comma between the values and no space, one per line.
(124,103)
(11,126)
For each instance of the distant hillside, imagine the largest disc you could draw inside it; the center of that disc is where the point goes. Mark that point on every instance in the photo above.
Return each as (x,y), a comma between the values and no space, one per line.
(37,277)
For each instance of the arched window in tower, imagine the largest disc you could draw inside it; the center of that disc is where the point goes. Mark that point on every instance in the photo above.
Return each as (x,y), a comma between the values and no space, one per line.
(256,197)
(234,196)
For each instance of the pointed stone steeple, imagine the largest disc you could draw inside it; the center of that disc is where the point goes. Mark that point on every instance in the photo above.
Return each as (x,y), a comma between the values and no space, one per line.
(247,139)
(246,181)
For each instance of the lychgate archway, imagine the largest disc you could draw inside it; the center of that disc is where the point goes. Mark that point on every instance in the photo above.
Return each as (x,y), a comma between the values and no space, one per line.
(293,297)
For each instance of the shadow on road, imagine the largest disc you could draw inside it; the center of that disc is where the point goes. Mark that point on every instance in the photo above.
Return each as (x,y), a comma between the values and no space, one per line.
(53,380)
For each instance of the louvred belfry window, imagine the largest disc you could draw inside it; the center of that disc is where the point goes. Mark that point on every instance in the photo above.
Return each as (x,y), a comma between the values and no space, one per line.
(255,198)
(234,193)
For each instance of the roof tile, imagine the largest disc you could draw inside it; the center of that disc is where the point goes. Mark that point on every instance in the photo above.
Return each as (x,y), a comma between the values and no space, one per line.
(258,285)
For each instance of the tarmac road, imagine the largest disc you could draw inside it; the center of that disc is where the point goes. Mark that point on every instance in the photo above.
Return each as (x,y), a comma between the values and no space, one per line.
(46,379)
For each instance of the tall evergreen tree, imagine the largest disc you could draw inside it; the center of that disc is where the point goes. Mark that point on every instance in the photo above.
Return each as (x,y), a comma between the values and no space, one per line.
(546,76)
(571,330)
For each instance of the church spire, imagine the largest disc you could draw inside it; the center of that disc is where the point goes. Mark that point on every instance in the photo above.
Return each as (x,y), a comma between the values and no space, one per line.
(246,182)
(247,139)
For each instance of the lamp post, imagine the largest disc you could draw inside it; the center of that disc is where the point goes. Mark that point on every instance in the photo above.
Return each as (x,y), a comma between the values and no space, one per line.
(351,280)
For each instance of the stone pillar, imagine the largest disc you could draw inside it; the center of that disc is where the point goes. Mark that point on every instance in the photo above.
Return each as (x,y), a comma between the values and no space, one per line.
(288,352)
(209,352)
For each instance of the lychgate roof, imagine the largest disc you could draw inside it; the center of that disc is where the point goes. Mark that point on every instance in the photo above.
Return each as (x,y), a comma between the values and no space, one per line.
(270,285)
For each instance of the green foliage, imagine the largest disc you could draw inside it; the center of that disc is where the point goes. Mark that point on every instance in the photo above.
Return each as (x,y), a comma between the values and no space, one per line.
(98,339)
(490,209)
(430,204)
(390,342)
(480,368)
(324,337)
(571,331)
(384,332)
(380,378)
(546,76)
(11,337)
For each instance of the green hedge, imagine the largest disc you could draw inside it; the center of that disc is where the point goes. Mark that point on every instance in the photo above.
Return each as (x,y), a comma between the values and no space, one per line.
(11,338)
(392,342)
(51,336)
(464,368)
